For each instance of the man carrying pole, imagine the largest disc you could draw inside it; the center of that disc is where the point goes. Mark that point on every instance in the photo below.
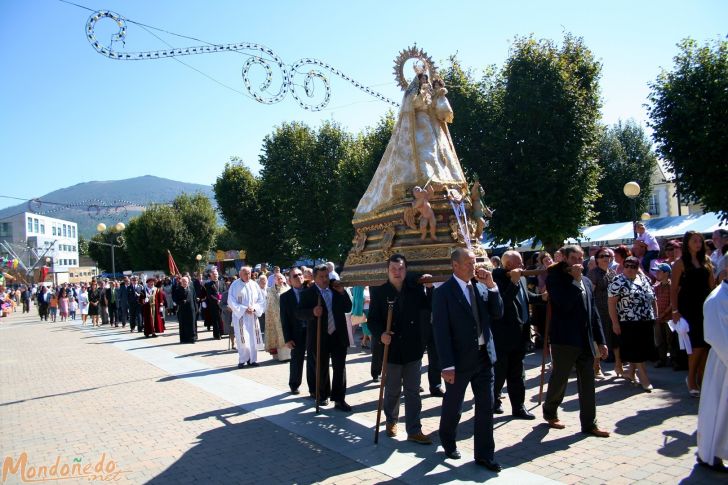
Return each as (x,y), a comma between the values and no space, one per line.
(404,344)
(329,301)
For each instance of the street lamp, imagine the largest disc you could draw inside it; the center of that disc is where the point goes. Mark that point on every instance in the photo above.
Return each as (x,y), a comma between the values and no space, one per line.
(199,265)
(632,190)
(118,227)
(645,216)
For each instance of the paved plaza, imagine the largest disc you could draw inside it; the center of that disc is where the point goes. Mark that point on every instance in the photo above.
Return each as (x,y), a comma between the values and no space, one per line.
(162,412)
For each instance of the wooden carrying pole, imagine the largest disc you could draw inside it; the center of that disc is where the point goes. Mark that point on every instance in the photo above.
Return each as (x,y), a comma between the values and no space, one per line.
(390,308)
(318,357)
(545,350)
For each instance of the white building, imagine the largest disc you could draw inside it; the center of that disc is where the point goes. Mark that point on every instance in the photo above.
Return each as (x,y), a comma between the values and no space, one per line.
(28,230)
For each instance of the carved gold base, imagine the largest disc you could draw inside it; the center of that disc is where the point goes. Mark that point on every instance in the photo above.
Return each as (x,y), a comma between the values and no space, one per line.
(396,229)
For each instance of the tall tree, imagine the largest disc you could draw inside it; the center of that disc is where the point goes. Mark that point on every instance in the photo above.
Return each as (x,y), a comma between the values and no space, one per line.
(544,171)
(186,228)
(625,155)
(689,116)
(238,201)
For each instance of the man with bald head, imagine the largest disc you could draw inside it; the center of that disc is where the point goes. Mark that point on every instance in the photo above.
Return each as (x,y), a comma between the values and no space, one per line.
(462,310)
(247,303)
(512,334)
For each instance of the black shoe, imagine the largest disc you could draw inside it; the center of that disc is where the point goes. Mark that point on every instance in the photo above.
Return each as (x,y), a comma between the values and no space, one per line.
(375,378)
(342,406)
(523,414)
(436,392)
(253,364)
(323,402)
(717,465)
(295,391)
(241,365)
(453,455)
(498,408)
(422,389)
(491,465)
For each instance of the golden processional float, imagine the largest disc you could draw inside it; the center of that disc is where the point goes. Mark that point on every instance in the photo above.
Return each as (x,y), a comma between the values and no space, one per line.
(418,203)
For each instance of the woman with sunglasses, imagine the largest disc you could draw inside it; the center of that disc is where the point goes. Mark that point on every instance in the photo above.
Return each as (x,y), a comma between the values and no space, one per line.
(692,282)
(602,276)
(632,310)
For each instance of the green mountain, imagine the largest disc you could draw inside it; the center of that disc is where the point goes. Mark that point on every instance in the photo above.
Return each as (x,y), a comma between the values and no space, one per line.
(109,201)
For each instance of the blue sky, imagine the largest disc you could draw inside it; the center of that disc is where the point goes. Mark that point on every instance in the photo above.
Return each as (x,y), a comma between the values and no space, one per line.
(70,115)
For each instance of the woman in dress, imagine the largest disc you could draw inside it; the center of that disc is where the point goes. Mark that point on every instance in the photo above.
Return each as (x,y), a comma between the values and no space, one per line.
(83,304)
(632,310)
(275,344)
(601,276)
(63,306)
(94,298)
(692,282)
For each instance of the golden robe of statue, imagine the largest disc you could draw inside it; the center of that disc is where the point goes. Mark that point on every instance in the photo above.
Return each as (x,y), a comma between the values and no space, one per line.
(420,151)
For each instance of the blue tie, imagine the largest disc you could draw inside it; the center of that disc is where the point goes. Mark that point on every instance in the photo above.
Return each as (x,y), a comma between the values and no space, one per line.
(327,298)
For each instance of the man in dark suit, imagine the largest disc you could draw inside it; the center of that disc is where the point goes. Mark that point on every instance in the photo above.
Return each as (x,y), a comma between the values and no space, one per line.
(122,302)
(330,302)
(462,310)
(294,333)
(410,313)
(575,337)
(512,334)
(133,293)
(212,301)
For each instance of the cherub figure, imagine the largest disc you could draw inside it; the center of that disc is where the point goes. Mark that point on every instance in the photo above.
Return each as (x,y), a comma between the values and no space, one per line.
(480,210)
(422,205)
(443,110)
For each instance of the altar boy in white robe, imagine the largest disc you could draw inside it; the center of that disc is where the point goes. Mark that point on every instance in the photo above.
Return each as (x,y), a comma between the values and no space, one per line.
(713,413)
(247,303)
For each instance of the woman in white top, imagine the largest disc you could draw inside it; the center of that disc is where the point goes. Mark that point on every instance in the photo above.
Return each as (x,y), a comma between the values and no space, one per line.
(83,304)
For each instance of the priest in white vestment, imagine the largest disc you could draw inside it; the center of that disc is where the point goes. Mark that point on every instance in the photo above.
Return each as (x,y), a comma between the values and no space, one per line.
(247,303)
(713,414)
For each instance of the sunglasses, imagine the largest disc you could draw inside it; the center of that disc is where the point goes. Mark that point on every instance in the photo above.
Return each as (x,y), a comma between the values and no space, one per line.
(297,275)
(604,256)
(630,266)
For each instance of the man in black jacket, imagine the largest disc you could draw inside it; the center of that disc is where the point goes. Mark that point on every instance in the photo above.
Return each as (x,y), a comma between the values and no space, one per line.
(575,337)
(212,301)
(330,302)
(462,310)
(410,313)
(294,333)
(512,334)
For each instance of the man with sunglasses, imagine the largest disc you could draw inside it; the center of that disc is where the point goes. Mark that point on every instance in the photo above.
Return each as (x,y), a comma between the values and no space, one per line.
(294,333)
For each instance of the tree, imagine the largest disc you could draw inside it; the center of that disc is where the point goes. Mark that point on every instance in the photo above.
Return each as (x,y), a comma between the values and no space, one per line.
(238,201)
(226,240)
(625,154)
(186,228)
(689,115)
(102,253)
(544,170)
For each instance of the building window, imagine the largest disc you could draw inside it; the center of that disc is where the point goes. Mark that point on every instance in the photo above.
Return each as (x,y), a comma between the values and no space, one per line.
(5,229)
(74,231)
(654,207)
(64,230)
(35,225)
(53,230)
(42,228)
(30,224)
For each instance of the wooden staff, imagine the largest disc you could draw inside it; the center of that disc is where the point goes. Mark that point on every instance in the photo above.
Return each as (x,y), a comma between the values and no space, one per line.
(390,308)
(545,350)
(318,357)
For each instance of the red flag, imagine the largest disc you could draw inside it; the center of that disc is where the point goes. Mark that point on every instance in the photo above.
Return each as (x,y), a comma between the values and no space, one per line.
(43,273)
(172,265)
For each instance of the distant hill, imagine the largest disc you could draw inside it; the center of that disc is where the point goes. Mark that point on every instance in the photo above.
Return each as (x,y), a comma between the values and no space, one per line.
(89,203)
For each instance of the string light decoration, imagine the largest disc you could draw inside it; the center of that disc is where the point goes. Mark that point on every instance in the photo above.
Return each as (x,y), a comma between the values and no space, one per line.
(311,77)
(94,208)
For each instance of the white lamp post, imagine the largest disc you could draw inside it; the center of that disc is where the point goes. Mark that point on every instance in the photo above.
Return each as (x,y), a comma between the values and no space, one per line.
(632,191)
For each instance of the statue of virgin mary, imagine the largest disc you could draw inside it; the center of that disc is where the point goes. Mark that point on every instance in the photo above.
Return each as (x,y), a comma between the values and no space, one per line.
(420,151)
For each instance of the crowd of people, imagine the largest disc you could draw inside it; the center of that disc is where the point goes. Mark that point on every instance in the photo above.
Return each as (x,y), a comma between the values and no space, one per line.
(638,308)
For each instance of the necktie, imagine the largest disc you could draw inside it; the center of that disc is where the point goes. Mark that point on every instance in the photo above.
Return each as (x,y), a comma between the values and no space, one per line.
(327,299)
(474,307)
(523,302)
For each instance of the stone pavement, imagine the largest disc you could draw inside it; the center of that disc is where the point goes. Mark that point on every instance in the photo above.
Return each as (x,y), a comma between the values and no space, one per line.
(171,413)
